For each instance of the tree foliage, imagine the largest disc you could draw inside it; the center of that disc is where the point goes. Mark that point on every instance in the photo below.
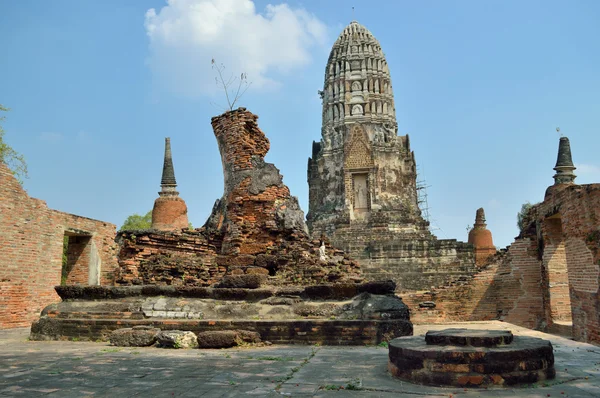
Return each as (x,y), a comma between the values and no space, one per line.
(65,262)
(137,222)
(13,159)
(521,215)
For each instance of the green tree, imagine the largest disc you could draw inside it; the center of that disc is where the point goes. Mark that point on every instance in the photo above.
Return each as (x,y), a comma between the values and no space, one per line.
(65,261)
(13,159)
(137,222)
(521,215)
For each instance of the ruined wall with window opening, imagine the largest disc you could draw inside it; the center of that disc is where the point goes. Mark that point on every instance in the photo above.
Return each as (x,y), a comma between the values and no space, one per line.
(31,252)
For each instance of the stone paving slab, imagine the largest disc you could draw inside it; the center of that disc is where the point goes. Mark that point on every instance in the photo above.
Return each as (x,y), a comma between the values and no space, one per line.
(83,369)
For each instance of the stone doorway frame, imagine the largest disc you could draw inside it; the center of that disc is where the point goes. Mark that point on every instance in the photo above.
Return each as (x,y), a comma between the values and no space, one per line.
(83,264)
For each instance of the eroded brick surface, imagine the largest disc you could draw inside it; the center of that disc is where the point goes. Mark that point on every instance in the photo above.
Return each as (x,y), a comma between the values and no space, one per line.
(31,247)
(549,275)
(508,287)
(257,227)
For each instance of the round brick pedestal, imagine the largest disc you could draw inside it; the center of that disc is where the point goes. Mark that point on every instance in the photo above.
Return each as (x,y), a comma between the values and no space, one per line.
(471,358)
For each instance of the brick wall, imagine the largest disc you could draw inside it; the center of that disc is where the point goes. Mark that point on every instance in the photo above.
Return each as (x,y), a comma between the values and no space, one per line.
(570,215)
(31,247)
(507,287)
(554,262)
(78,259)
(549,275)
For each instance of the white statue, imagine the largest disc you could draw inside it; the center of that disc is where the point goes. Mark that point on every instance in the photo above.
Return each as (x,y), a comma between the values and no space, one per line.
(322,254)
(378,136)
(360,193)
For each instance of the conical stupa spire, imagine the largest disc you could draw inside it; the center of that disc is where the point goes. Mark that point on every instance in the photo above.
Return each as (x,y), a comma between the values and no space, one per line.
(480,217)
(564,164)
(169,211)
(168,174)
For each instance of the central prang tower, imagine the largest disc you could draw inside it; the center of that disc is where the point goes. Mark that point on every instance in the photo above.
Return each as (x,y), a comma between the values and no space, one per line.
(361,170)
(362,174)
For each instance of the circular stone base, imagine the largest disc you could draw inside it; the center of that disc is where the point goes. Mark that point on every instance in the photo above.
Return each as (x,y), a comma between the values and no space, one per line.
(466,337)
(525,360)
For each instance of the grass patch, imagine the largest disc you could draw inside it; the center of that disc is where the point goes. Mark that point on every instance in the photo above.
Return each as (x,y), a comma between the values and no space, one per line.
(331,387)
(295,369)
(110,350)
(271,358)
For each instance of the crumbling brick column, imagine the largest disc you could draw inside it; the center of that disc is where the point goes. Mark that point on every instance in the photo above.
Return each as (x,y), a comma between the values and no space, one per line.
(256,210)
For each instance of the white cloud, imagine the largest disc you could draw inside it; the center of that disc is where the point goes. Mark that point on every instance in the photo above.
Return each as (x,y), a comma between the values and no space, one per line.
(51,137)
(83,136)
(587,169)
(494,203)
(587,173)
(186,34)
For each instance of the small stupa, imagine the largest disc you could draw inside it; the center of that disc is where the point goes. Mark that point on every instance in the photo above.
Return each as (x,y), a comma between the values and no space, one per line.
(170,211)
(564,164)
(481,238)
(564,168)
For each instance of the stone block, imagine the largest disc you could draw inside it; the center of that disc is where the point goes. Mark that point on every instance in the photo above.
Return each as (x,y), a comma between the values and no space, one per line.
(334,291)
(373,306)
(245,281)
(257,270)
(226,338)
(378,287)
(176,339)
(137,336)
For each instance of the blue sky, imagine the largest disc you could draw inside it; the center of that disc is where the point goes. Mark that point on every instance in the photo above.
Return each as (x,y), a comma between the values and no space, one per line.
(480,86)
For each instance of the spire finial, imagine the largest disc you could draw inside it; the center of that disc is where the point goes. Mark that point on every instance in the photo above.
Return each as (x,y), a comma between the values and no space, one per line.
(564,163)
(168,182)
(480,217)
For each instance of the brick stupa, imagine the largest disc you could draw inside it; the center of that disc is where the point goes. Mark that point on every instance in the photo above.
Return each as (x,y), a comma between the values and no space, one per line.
(481,238)
(170,211)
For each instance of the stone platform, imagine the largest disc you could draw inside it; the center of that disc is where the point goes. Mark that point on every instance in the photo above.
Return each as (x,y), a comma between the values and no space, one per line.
(467,358)
(336,314)
(468,337)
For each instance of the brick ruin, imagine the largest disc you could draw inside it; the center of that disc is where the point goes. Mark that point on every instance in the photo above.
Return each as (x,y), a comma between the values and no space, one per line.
(251,266)
(31,247)
(256,228)
(362,175)
(548,279)
(363,196)
(255,251)
(471,358)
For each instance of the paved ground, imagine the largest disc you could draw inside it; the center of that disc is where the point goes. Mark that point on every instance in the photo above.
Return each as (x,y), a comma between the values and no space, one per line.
(76,369)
